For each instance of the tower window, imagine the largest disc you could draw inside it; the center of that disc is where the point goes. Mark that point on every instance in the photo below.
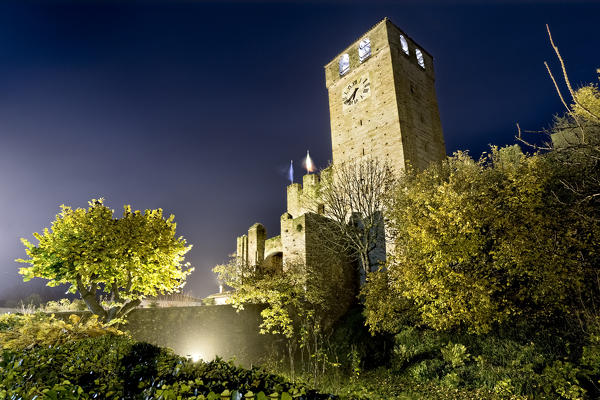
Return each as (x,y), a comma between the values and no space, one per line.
(404,44)
(364,49)
(344,64)
(420,59)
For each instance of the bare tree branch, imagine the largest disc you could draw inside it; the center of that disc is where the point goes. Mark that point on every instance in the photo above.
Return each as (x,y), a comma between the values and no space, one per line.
(566,77)
(353,196)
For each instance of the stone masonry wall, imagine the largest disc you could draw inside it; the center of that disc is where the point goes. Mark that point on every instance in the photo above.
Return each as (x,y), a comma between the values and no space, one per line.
(399,120)
(202,331)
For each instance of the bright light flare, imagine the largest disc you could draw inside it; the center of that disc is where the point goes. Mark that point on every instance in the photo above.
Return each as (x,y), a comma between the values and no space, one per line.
(291,172)
(308,163)
(203,349)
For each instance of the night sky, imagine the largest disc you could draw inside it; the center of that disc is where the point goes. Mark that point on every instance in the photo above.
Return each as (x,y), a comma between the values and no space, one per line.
(198,107)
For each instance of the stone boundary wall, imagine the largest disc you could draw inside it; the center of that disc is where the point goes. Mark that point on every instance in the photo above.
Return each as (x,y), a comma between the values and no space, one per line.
(201,331)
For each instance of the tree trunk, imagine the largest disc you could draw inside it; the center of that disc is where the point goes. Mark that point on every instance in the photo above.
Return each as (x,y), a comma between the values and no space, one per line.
(316,365)
(89,297)
(128,307)
(291,356)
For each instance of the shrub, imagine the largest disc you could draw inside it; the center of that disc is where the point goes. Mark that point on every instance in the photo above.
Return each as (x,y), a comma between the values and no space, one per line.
(455,354)
(355,347)
(505,364)
(561,378)
(26,331)
(412,345)
(115,366)
(56,306)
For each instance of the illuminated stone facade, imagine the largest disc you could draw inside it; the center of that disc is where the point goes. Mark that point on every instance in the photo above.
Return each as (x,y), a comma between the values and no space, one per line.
(382,105)
(397,118)
(298,231)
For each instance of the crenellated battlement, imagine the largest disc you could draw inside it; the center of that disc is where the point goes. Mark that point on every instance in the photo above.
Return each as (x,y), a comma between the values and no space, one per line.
(255,249)
(304,198)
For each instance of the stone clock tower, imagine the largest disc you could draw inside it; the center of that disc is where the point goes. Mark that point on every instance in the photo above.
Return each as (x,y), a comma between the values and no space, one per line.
(383,105)
(382,101)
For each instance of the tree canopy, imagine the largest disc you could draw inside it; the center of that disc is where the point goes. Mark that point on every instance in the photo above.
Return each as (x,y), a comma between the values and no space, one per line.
(481,242)
(124,258)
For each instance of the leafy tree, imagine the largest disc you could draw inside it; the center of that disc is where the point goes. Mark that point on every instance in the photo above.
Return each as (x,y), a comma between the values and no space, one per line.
(574,148)
(385,310)
(281,294)
(482,242)
(301,303)
(125,258)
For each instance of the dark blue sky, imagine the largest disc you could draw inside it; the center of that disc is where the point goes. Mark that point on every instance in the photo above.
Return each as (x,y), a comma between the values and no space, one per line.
(198,107)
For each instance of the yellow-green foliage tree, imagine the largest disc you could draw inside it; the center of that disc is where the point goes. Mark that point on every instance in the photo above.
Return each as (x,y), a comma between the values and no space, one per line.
(282,296)
(124,258)
(300,303)
(482,242)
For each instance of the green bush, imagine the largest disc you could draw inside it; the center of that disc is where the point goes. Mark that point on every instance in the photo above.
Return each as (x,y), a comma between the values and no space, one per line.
(426,370)
(355,347)
(412,345)
(561,378)
(385,384)
(507,366)
(39,329)
(63,305)
(115,366)
(455,354)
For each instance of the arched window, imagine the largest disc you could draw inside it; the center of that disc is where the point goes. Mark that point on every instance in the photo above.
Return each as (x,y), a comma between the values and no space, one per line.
(404,44)
(420,59)
(364,49)
(344,64)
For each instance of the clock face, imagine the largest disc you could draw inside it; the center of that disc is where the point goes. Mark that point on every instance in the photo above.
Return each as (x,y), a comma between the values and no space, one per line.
(355,91)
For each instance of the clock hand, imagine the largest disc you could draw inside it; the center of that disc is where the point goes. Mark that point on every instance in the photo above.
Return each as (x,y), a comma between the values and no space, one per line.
(352,96)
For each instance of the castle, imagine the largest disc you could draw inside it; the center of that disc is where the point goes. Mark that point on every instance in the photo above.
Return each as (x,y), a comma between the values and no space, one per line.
(382,105)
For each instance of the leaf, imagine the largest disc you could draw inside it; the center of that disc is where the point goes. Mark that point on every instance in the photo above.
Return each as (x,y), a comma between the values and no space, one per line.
(261,396)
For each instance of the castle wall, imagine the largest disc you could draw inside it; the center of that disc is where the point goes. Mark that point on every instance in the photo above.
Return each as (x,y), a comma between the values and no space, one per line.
(204,331)
(293,239)
(302,198)
(330,271)
(273,255)
(294,199)
(256,250)
(242,249)
(273,245)
(257,234)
